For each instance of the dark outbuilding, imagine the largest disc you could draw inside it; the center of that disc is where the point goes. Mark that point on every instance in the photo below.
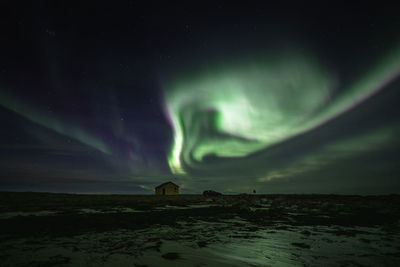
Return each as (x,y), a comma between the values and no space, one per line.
(168,188)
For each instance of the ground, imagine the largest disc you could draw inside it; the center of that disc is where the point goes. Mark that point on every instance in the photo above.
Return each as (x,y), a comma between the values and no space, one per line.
(41,229)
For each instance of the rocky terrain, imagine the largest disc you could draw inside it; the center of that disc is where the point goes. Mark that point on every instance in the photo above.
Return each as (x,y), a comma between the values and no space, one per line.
(40,229)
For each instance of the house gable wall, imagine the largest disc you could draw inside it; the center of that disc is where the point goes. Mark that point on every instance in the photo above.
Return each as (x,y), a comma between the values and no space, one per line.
(170,189)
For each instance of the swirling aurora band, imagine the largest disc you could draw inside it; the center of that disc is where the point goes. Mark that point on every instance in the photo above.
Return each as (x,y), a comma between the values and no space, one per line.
(236,110)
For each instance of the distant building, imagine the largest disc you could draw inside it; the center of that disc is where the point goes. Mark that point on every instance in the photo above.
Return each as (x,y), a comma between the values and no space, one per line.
(168,188)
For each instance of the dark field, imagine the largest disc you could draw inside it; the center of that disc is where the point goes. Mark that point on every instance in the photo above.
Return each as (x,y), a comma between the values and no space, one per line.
(42,229)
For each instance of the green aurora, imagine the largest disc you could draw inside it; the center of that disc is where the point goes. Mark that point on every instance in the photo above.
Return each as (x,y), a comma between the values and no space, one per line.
(234,110)
(51,122)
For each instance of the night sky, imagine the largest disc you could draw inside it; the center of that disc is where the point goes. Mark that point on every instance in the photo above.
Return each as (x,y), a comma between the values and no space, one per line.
(119,98)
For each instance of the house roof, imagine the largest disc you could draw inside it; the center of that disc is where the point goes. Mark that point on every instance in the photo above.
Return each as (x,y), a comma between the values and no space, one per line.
(161,185)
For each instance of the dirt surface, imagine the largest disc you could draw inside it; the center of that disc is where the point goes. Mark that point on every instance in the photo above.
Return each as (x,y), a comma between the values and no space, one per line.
(41,229)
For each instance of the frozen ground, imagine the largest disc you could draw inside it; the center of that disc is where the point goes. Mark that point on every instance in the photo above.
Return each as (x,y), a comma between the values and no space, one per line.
(228,231)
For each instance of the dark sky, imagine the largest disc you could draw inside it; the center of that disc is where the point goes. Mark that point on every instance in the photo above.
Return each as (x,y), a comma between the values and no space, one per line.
(119,98)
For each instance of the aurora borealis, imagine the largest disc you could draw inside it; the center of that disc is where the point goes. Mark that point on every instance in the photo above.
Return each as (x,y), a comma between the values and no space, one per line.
(279,100)
(233,112)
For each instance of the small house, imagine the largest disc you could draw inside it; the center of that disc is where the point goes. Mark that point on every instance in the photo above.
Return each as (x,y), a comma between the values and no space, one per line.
(168,188)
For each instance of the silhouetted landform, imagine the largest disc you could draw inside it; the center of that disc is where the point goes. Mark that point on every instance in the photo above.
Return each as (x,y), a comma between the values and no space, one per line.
(211,193)
(44,229)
